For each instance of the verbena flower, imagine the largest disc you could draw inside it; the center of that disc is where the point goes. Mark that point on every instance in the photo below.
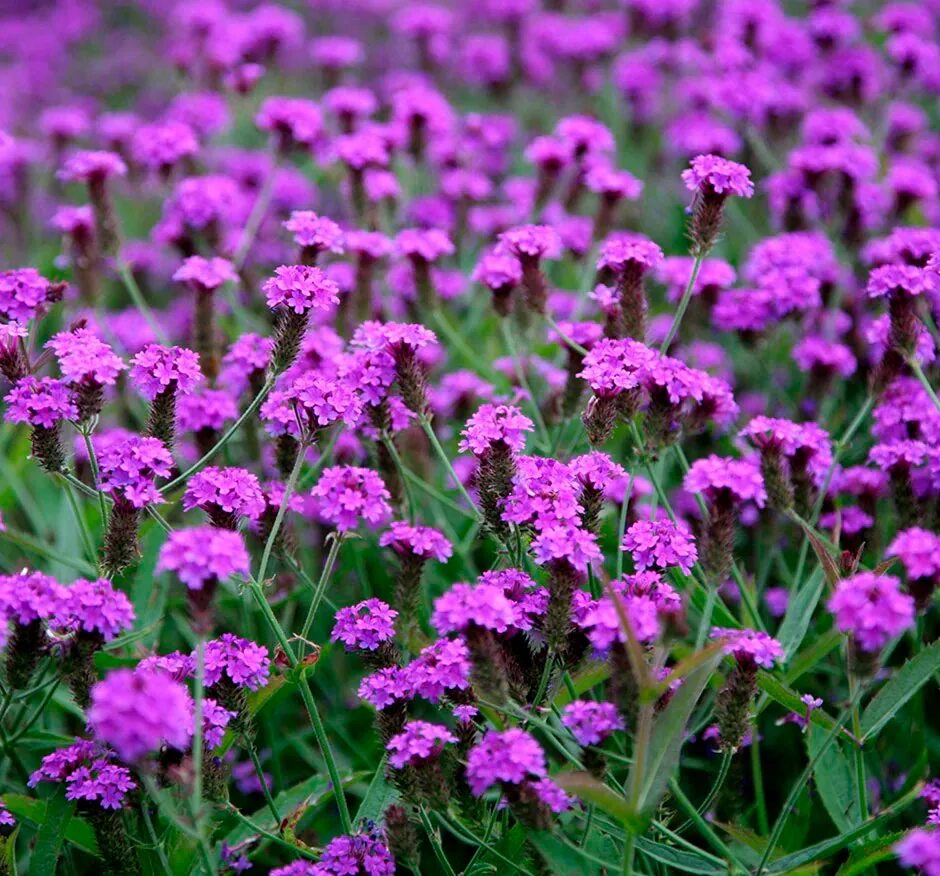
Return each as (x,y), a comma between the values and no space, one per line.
(203,554)
(420,541)
(420,740)
(591,722)
(872,608)
(346,495)
(25,294)
(137,712)
(94,607)
(156,369)
(226,494)
(364,626)
(504,757)
(129,469)
(89,774)
(236,660)
(660,544)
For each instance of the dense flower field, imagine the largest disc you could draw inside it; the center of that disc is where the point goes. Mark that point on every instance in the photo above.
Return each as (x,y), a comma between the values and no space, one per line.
(469,438)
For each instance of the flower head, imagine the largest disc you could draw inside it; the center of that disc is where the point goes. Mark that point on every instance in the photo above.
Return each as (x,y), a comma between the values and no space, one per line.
(919,552)
(591,722)
(364,626)
(95,607)
(205,274)
(419,541)
(24,294)
(420,740)
(872,608)
(138,712)
(231,490)
(89,166)
(42,401)
(240,661)
(204,554)
(300,288)
(311,231)
(82,355)
(156,369)
(510,756)
(129,468)
(88,772)
(346,494)
(741,478)
(494,423)
(712,173)
(660,544)
(749,646)
(29,596)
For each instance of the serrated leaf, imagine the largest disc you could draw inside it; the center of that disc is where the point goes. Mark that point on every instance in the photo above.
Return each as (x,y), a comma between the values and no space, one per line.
(800,614)
(827,848)
(51,834)
(668,736)
(681,860)
(905,682)
(591,790)
(834,780)
(379,796)
(78,832)
(563,859)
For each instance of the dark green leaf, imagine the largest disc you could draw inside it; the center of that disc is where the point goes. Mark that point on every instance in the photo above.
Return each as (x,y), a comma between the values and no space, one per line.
(378,798)
(51,835)
(799,614)
(834,780)
(681,860)
(909,679)
(564,859)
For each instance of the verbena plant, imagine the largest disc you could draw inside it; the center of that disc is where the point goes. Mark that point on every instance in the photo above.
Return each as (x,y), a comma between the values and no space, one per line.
(378,496)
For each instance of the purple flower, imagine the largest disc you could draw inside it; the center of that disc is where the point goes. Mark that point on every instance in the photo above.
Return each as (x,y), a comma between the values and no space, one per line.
(719,175)
(29,596)
(364,626)
(601,622)
(205,274)
(95,607)
(391,336)
(88,773)
(137,712)
(345,494)
(628,252)
(320,400)
(419,541)
(919,552)
(387,686)
(920,848)
(511,756)
(82,355)
(204,554)
(495,423)
(300,288)
(660,544)
(156,369)
(749,646)
(161,146)
(248,357)
(740,478)
(293,119)
(91,166)
(440,667)
(424,244)
(129,468)
(348,855)
(205,409)
(552,795)
(591,722)
(318,233)
(484,605)
(215,719)
(238,660)
(899,280)
(614,366)
(419,741)
(231,490)
(42,401)
(531,243)
(6,817)
(24,294)
(872,608)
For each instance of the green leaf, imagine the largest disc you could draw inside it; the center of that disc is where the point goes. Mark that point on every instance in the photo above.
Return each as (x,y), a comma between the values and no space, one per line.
(681,860)
(800,614)
(582,682)
(78,832)
(863,859)
(564,859)
(591,790)
(829,566)
(834,780)
(51,833)
(825,849)
(790,699)
(668,736)
(909,679)
(379,796)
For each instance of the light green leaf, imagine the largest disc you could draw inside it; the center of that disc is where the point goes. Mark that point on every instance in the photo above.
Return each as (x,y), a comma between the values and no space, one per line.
(800,614)
(834,781)
(909,679)
(591,790)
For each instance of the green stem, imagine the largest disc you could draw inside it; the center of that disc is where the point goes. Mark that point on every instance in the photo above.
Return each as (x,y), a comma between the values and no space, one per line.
(137,297)
(704,828)
(919,374)
(256,762)
(198,697)
(435,841)
(432,437)
(281,511)
(337,542)
(524,382)
(93,463)
(800,783)
(249,411)
(726,758)
(87,542)
(683,304)
(757,772)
